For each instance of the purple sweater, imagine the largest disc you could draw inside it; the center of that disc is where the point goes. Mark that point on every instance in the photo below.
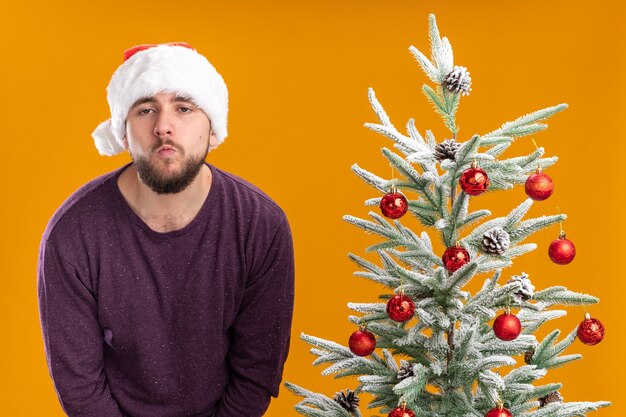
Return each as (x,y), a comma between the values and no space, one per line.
(189,323)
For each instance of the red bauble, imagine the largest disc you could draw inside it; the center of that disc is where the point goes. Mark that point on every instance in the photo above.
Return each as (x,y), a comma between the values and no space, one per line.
(562,250)
(539,186)
(507,326)
(455,257)
(474,180)
(362,342)
(394,205)
(590,331)
(499,412)
(401,412)
(400,308)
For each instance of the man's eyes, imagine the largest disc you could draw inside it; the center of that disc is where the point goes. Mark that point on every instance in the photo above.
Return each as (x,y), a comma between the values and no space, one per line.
(148,110)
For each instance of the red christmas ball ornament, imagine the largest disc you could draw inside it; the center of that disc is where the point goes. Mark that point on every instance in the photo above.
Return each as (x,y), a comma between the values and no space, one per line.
(590,331)
(562,250)
(362,342)
(539,186)
(394,204)
(474,181)
(499,411)
(507,326)
(455,257)
(401,411)
(400,308)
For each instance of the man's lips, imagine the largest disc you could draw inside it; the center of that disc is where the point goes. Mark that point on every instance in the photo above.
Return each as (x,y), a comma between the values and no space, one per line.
(166,150)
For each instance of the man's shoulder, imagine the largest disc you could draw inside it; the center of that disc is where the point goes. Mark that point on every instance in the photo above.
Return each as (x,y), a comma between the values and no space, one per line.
(251,198)
(88,202)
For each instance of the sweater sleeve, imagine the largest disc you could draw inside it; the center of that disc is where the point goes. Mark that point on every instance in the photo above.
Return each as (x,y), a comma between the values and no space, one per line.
(73,339)
(261,331)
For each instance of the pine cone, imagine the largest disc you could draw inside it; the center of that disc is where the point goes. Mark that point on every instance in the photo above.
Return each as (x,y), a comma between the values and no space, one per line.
(496,240)
(447,150)
(526,292)
(458,81)
(528,356)
(406,369)
(553,397)
(347,400)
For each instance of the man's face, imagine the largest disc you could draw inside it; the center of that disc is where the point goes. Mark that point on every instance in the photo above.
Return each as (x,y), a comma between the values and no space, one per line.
(168,138)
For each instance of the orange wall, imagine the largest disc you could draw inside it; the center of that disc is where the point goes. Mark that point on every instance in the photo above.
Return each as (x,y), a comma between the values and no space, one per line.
(298,74)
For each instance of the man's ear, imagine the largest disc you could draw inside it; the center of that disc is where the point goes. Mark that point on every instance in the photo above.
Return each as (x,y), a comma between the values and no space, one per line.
(212,139)
(125,142)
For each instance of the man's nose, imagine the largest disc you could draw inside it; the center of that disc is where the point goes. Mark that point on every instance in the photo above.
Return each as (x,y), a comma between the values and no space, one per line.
(164,125)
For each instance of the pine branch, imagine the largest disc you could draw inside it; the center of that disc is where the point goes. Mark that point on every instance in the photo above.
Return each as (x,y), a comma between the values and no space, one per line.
(410,388)
(391,363)
(563,296)
(416,249)
(528,227)
(519,126)
(570,409)
(493,361)
(560,361)
(407,276)
(365,264)
(457,215)
(419,182)
(460,277)
(452,101)
(367,307)
(378,109)
(474,216)
(498,150)
(482,297)
(317,405)
(522,344)
(516,215)
(325,356)
(384,231)
(527,162)
(371,179)
(546,354)
(429,69)
(566,409)
(397,137)
(386,280)
(441,52)
(532,320)
(524,374)
(445,104)
(488,140)
(541,391)
(427,147)
(436,101)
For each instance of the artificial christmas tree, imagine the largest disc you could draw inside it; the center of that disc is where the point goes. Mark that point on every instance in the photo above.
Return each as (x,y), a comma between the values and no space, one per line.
(453,363)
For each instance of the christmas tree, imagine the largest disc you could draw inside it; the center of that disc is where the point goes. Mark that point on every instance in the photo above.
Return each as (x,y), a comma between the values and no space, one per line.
(460,354)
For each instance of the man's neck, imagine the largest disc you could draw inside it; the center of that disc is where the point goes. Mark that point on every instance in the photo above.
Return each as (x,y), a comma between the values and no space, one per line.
(165,212)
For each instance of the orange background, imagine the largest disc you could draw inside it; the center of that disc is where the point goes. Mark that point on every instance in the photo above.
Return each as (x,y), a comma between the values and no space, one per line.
(298,74)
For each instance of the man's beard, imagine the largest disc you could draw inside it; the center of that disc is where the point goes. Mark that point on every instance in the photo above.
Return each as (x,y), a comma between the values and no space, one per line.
(162,182)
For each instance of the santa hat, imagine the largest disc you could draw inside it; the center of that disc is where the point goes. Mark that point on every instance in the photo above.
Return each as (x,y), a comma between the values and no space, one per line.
(166,68)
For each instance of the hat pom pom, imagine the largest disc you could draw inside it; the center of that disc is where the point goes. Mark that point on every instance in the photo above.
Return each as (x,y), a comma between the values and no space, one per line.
(105,140)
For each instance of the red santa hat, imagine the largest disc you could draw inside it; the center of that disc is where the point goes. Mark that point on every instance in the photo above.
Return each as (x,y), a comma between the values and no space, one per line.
(166,68)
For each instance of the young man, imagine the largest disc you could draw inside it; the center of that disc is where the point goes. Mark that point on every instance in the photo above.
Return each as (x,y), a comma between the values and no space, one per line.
(166,286)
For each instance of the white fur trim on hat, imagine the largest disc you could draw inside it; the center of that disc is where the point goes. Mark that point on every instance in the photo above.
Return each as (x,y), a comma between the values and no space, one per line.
(162,69)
